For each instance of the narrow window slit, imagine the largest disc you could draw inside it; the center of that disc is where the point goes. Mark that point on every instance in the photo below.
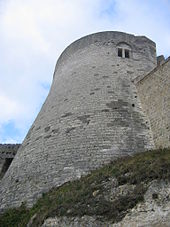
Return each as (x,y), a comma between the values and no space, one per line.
(126,53)
(119,52)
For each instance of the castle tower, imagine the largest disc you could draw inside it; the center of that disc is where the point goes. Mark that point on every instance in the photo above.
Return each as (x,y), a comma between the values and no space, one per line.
(91,115)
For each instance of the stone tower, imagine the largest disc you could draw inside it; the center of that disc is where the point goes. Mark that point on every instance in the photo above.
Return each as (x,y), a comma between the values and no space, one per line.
(91,115)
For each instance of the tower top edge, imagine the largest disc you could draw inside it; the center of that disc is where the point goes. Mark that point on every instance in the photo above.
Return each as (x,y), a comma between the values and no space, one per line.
(114,36)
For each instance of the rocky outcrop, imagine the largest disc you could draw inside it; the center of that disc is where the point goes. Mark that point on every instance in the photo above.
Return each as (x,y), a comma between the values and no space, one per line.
(154,211)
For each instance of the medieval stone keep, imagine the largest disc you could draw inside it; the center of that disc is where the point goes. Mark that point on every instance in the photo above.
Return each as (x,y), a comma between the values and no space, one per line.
(93,114)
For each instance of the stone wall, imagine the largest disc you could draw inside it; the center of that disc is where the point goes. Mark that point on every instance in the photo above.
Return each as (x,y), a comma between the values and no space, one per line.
(8,150)
(7,153)
(154,92)
(91,116)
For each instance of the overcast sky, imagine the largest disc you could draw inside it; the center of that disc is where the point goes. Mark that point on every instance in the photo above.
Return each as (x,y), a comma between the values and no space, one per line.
(33,33)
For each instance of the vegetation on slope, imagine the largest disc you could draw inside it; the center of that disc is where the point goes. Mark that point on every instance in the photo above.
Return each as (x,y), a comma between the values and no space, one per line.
(87,195)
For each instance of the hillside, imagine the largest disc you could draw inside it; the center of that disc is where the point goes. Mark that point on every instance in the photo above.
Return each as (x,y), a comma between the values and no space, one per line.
(129,190)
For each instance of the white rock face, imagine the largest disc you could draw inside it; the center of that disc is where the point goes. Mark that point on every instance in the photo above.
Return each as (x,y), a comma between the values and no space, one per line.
(154,211)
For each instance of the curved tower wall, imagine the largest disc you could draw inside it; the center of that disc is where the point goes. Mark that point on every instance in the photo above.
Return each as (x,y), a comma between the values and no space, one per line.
(91,115)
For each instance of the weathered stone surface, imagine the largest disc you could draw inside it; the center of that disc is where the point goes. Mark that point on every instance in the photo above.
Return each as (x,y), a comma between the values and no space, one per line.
(72,134)
(154,92)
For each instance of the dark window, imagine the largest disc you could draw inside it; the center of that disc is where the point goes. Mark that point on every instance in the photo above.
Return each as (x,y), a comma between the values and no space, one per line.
(5,166)
(126,53)
(119,52)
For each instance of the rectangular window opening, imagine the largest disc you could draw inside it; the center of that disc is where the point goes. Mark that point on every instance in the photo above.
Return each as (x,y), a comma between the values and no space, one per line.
(127,54)
(119,52)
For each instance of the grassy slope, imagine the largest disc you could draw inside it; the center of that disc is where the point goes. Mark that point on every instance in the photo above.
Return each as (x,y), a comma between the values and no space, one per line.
(77,198)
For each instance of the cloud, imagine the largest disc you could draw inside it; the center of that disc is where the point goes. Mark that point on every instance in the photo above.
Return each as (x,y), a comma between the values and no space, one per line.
(33,33)
(8,106)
